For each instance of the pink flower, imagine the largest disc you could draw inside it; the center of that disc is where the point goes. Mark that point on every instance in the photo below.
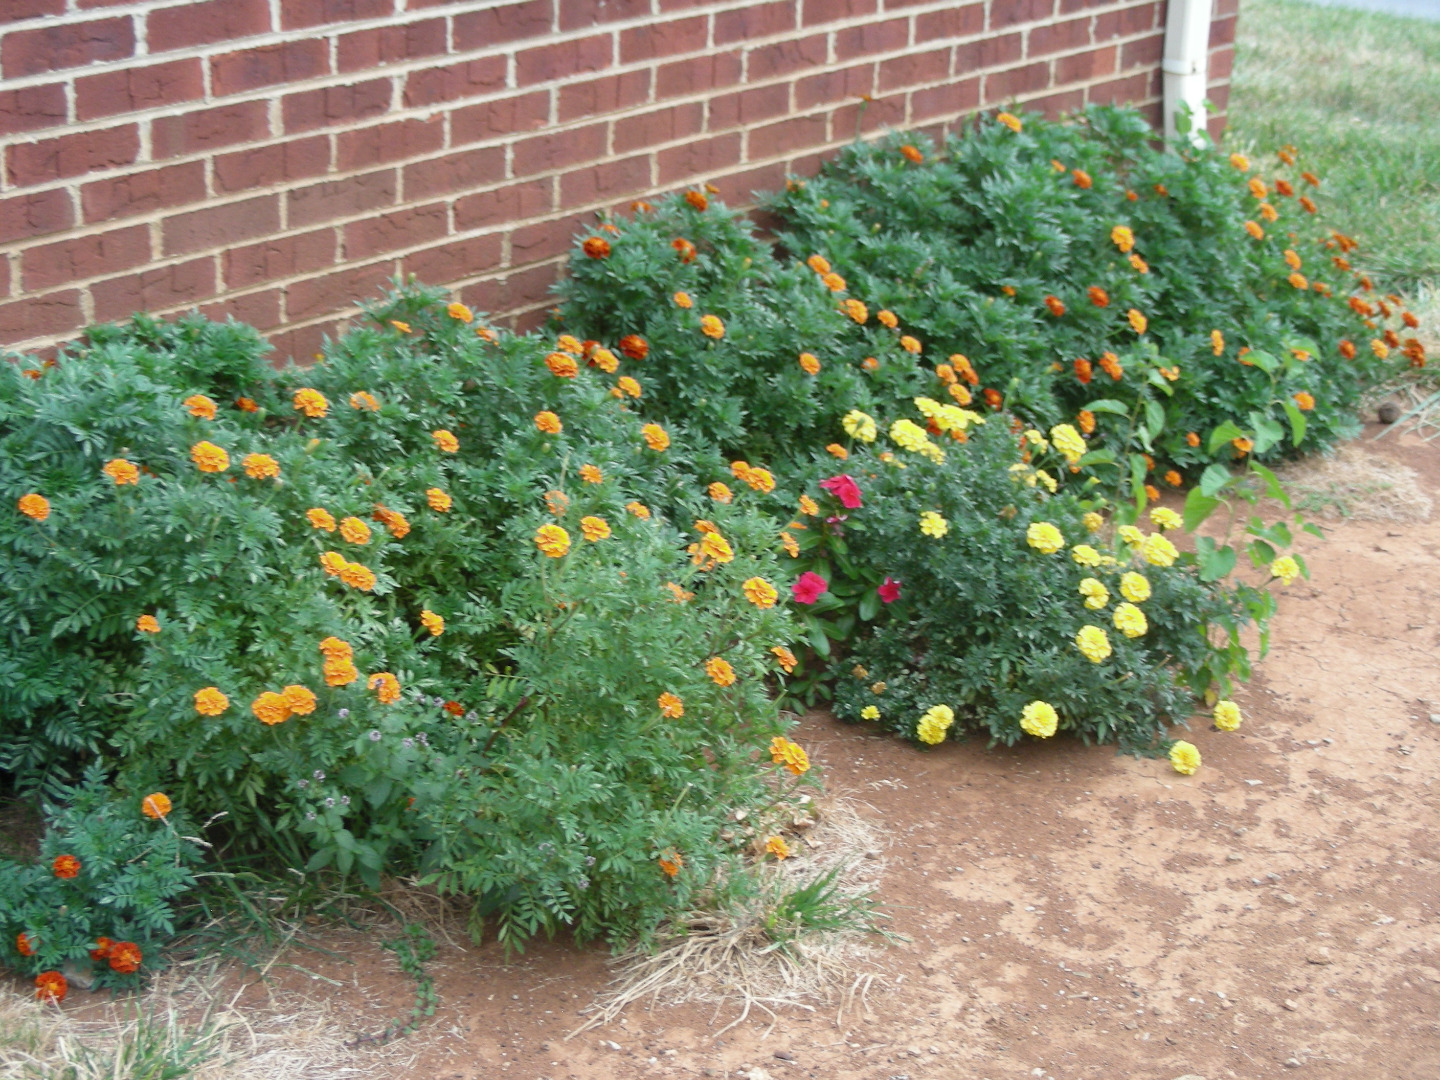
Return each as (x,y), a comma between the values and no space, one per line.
(808,589)
(889,591)
(845,489)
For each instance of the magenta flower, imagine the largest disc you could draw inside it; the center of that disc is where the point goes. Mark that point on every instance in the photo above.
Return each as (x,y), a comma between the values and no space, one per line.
(889,591)
(845,489)
(809,588)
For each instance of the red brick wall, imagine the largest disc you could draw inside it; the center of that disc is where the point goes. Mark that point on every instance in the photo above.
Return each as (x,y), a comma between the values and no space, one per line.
(278,159)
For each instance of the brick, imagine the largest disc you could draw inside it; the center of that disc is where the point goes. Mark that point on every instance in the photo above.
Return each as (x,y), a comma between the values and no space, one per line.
(31,108)
(208,129)
(301,345)
(1142,52)
(545,239)
(503,25)
(1125,22)
(578,14)
(454,259)
(4,277)
(275,258)
(302,14)
(380,45)
(155,290)
(815,12)
(1120,91)
(988,52)
(82,257)
(220,226)
(32,163)
(340,198)
(260,166)
(833,86)
(456,172)
(872,38)
(48,49)
(754,21)
(1222,64)
(1069,7)
(952,22)
(1011,12)
(656,39)
(433,85)
(741,185)
(1080,67)
(952,100)
(1225,8)
(749,106)
(609,93)
(336,291)
(1056,105)
(1222,32)
(795,133)
(560,59)
(514,202)
(699,75)
(34,214)
(1220,97)
(604,182)
(399,229)
(558,150)
(661,126)
(785,57)
(268,65)
(914,67)
(1003,86)
(41,316)
(131,89)
(698,158)
(142,192)
(852,121)
(1058,37)
(503,116)
(332,105)
(205,22)
(15,10)
(260,310)
(388,142)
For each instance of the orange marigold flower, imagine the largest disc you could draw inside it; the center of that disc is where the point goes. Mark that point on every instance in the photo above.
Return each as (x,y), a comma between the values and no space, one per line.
(720,671)
(1409,319)
(639,509)
(788,542)
(334,648)
(809,363)
(157,804)
(445,441)
(26,945)
(548,422)
(460,311)
(1111,365)
(721,493)
(364,400)
(1379,348)
(656,437)
(856,310)
(1138,322)
(685,248)
(403,327)
(698,200)
(358,576)
(102,949)
(209,458)
(311,402)
(1298,281)
(1292,259)
(671,862)
(561,365)
(1242,445)
(125,957)
(340,671)
(552,540)
(1308,204)
(712,548)
(870,363)
(386,687)
(260,466)
(65,867)
(677,594)
(1083,371)
(34,506)
(1161,189)
(1192,439)
(1310,178)
(785,657)
(682,300)
(1392,339)
(245,404)
(605,360)
(1086,419)
(671,706)
(210,701)
(1140,265)
(594,529)
(912,154)
(946,374)
(591,474)
(1008,290)
(355,531)
(597,247)
(1284,188)
(1254,229)
(833,281)
(759,592)
(1258,188)
(1268,212)
(51,986)
(1240,161)
(818,263)
(557,502)
(332,562)
(432,622)
(1010,121)
(1152,492)
(569,343)
(121,471)
(627,385)
(993,398)
(910,344)
(1098,296)
(1305,402)
(838,450)
(1286,154)
(1122,237)
(299,699)
(887,318)
(321,518)
(201,406)
(1173,478)
(634,346)
(760,480)
(393,520)
(1056,306)
(438,500)
(1081,178)
(791,755)
(777,846)
(808,506)
(147,624)
(712,327)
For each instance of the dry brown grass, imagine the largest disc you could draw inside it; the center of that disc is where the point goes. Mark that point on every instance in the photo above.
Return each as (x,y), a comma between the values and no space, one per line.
(1359,485)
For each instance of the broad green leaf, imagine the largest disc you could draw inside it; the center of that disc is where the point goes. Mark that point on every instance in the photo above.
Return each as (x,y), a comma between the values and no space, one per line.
(1223,434)
(1109,405)
(1267,432)
(1214,479)
(1154,418)
(869,605)
(1264,361)
(1198,507)
(1217,563)
(1137,479)
(1273,487)
(1297,422)
(1097,457)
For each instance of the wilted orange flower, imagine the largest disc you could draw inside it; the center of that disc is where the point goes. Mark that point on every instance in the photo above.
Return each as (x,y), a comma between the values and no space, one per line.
(833,281)
(121,471)
(245,404)
(1098,296)
(445,441)
(712,327)
(808,506)
(557,502)
(870,363)
(386,687)
(1242,445)
(1286,154)
(260,466)
(1138,322)
(671,862)
(856,310)
(720,671)
(1161,189)
(1392,339)
(25,944)
(1310,178)
(393,520)
(594,529)
(51,986)
(1284,188)
(1086,419)
(785,657)
(671,706)
(1110,363)
(597,247)
(682,299)
(1081,178)
(1308,204)
(759,592)
(721,493)
(355,531)
(210,701)
(200,406)
(1008,290)
(685,248)
(157,804)
(911,153)
(552,540)
(1010,121)
(548,422)
(1056,306)
(777,846)
(838,450)
(438,500)
(1298,281)
(65,867)
(209,458)
(364,400)
(1410,319)
(357,576)
(655,436)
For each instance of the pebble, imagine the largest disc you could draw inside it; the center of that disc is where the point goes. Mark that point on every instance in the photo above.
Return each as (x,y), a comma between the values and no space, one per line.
(784,1055)
(609,1045)
(1320,955)
(1291,1006)
(1292,1063)
(1234,856)
(1286,898)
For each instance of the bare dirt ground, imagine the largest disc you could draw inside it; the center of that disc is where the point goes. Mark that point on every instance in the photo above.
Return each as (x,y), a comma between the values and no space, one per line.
(1072,913)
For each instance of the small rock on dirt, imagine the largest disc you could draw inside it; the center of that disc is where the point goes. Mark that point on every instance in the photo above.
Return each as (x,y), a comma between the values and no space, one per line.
(1389,412)
(1190,1076)
(784,1055)
(1320,955)
(1291,1006)
(1293,1063)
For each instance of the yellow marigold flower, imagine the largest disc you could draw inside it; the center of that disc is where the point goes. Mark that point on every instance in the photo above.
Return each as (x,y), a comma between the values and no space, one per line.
(1134,587)
(1122,238)
(1379,348)
(682,300)
(859,425)
(860,671)
(1093,643)
(759,592)
(299,699)
(569,343)
(627,385)
(591,474)
(594,529)
(552,540)
(1130,620)
(1217,342)
(934,724)
(1285,568)
(260,466)
(719,492)
(1044,537)
(655,436)
(459,311)
(332,562)
(210,701)
(1254,229)
(908,435)
(393,520)
(1139,264)
(432,622)
(1240,161)
(386,687)
(355,531)
(1138,322)
(720,671)
(870,712)
(703,525)
(1131,537)
(1162,517)
(671,706)
(311,402)
(712,327)
(1010,121)
(1184,758)
(548,422)
(358,576)
(713,548)
(403,327)
(1085,555)
(639,509)
(910,344)
(856,310)
(445,441)
(1039,719)
(122,472)
(961,394)
(792,548)
(147,624)
(605,360)
(838,451)
(777,846)
(887,318)
(808,506)
(1095,593)
(1069,442)
(1046,480)
(1093,522)
(785,657)
(363,399)
(438,500)
(321,519)
(209,458)
(760,480)
(200,406)
(1227,715)
(932,524)
(271,708)
(1157,551)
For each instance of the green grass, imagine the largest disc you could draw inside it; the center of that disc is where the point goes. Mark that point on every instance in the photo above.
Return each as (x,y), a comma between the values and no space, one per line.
(1359,94)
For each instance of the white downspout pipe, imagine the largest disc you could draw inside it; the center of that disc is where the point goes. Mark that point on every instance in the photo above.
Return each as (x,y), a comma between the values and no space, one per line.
(1185,68)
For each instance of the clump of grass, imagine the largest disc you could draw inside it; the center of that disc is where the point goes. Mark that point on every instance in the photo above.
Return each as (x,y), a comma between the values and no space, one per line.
(1358,485)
